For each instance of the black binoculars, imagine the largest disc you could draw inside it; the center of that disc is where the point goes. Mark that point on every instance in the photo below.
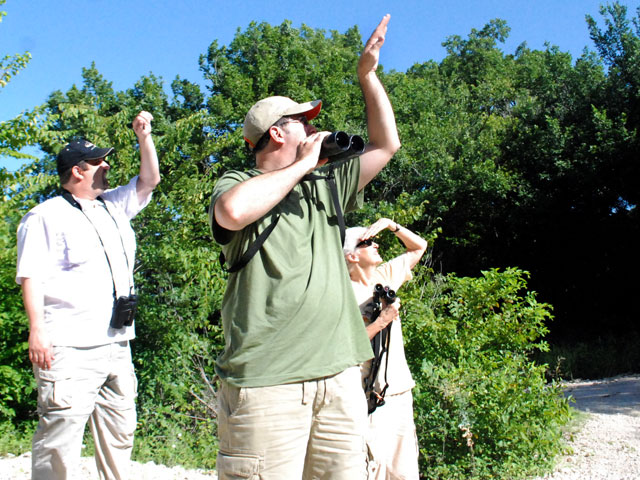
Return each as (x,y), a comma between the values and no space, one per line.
(124,310)
(384,293)
(341,146)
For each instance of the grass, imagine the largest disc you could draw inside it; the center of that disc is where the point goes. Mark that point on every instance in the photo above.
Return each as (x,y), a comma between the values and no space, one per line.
(16,440)
(602,357)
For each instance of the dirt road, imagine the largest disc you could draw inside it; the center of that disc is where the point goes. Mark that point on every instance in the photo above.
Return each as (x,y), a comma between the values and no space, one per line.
(607,445)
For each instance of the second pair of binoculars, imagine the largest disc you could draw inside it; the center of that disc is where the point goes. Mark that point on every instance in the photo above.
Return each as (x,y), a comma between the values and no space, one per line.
(341,146)
(384,293)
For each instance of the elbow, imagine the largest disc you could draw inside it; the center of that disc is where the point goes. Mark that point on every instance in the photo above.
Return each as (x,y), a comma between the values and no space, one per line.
(391,147)
(423,247)
(395,146)
(228,216)
(151,183)
(146,185)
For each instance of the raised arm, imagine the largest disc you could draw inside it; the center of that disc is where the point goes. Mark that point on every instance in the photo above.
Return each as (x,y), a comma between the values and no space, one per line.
(149,169)
(414,243)
(381,122)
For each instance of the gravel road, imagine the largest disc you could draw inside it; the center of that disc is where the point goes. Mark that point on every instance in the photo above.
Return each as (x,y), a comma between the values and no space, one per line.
(605,447)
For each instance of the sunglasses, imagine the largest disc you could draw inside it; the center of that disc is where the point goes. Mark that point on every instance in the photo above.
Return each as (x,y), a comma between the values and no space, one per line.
(96,161)
(301,119)
(365,243)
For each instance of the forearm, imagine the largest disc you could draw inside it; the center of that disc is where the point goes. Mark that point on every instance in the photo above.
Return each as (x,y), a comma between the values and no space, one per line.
(381,126)
(40,348)
(412,241)
(250,200)
(381,121)
(374,328)
(387,315)
(33,299)
(149,176)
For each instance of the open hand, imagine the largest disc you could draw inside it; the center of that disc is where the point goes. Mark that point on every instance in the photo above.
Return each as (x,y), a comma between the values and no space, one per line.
(368,62)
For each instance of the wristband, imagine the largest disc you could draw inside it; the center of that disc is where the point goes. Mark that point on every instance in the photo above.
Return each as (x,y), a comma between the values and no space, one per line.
(398,227)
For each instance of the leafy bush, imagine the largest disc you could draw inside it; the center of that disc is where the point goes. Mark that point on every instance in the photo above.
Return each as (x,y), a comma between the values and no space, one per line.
(483,408)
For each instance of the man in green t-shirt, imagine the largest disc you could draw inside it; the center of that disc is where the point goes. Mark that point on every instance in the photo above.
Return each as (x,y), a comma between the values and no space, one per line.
(290,402)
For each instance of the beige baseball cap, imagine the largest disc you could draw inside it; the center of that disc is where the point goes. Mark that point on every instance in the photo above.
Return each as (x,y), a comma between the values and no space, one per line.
(269,110)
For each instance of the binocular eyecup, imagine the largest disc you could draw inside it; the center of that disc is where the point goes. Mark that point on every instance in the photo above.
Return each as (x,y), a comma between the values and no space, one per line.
(341,146)
(384,293)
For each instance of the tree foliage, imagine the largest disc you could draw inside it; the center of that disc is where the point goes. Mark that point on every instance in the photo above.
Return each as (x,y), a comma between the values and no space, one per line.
(10,65)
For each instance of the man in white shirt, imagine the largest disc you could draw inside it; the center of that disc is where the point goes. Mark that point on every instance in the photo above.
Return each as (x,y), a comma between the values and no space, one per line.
(75,259)
(391,439)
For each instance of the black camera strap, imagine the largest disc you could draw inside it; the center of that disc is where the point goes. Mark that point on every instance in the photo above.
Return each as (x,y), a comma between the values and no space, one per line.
(331,180)
(262,237)
(252,250)
(74,203)
(380,344)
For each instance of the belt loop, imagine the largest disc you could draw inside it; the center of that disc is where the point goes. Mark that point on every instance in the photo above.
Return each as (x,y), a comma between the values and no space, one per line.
(304,393)
(324,388)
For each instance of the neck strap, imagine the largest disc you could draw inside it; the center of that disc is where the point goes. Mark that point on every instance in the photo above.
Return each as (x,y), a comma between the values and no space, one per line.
(74,203)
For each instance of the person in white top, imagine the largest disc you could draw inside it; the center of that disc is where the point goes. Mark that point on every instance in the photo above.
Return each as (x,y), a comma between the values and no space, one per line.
(391,440)
(75,264)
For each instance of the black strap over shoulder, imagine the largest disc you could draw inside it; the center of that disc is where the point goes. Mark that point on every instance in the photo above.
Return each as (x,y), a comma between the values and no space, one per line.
(331,180)
(252,250)
(259,241)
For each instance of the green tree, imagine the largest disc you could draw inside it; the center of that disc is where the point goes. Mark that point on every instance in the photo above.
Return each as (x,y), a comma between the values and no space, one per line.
(16,383)
(10,65)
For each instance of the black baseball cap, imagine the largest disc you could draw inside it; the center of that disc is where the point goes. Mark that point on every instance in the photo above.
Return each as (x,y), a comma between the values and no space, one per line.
(78,151)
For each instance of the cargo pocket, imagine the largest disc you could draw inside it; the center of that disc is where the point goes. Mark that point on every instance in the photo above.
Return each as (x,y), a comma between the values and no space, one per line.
(237,466)
(55,391)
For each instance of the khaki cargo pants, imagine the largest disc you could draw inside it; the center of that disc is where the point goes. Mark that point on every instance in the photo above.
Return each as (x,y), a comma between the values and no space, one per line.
(308,430)
(93,383)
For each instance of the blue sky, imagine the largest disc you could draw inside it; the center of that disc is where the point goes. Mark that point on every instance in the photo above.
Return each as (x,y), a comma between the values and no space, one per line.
(128,39)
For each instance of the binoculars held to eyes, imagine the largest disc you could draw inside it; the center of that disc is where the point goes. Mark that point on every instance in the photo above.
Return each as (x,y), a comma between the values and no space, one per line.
(341,146)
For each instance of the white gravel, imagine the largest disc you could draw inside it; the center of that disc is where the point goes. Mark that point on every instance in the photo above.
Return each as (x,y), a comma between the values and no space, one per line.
(606,446)
(19,468)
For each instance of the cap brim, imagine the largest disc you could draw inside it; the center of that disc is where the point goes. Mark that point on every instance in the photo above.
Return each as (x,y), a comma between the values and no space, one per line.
(308,109)
(97,153)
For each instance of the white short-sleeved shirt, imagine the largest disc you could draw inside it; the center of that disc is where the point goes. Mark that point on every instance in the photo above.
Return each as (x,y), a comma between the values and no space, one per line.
(392,274)
(61,247)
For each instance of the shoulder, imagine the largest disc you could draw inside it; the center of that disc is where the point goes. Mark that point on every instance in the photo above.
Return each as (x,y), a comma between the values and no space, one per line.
(50,208)
(235,176)
(114,194)
(396,271)
(230,178)
(342,167)
(52,214)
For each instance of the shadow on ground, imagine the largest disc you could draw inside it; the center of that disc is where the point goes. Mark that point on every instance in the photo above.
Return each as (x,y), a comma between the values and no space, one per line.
(610,396)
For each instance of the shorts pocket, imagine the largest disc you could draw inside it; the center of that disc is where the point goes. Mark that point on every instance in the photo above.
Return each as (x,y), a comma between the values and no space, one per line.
(55,391)
(238,465)
(232,399)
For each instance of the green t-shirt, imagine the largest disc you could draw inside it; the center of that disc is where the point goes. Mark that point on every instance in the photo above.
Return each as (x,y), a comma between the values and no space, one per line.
(290,314)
